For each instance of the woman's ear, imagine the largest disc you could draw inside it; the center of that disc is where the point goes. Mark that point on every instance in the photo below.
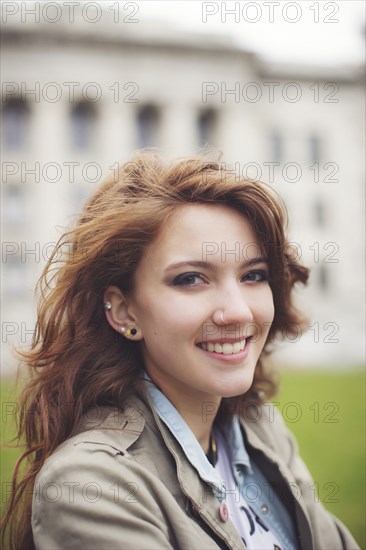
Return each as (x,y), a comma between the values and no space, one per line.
(118,315)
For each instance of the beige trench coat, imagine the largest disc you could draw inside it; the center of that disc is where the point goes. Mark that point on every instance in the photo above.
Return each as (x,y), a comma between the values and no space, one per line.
(123,482)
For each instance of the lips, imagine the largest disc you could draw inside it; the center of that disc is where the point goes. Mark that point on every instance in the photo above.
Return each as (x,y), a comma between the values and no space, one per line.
(225,347)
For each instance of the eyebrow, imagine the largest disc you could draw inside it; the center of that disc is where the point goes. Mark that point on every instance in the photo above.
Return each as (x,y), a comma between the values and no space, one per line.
(210,265)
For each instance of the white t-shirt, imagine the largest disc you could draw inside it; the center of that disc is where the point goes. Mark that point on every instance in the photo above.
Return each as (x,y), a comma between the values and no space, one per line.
(254,532)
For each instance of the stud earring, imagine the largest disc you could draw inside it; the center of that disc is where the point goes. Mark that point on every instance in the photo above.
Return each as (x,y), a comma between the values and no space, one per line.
(107,306)
(128,331)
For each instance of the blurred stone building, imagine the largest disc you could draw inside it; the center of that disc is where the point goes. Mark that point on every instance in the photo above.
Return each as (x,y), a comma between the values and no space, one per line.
(79,98)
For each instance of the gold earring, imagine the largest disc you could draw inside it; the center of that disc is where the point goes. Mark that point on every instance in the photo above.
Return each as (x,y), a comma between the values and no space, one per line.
(128,331)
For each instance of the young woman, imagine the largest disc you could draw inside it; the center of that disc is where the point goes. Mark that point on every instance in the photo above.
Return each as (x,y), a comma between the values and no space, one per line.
(147,419)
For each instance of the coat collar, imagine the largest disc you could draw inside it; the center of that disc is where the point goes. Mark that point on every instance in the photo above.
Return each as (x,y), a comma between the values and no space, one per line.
(108,425)
(121,429)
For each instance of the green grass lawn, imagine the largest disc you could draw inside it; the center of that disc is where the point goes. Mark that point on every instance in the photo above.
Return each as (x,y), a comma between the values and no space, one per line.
(325,411)
(8,454)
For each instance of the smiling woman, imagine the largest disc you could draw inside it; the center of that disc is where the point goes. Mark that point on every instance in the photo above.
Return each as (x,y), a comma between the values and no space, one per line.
(189,322)
(147,367)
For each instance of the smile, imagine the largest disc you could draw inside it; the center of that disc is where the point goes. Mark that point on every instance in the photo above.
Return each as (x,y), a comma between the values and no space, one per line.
(225,348)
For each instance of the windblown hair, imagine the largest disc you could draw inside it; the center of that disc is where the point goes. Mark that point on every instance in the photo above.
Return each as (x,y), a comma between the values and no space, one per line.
(77,360)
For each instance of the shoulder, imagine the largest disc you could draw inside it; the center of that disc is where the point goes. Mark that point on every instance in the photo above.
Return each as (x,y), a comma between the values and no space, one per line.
(102,435)
(95,485)
(114,483)
(113,444)
(266,431)
(102,440)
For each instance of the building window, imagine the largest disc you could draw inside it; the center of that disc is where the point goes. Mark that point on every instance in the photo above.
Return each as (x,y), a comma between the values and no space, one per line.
(14,201)
(148,122)
(15,113)
(319,213)
(314,145)
(14,272)
(276,146)
(323,277)
(207,127)
(83,119)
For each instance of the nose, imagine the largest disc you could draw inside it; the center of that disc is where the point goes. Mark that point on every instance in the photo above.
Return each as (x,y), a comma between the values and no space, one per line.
(234,309)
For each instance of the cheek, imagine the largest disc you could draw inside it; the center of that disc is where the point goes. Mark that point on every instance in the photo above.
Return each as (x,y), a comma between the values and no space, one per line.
(163,316)
(264,309)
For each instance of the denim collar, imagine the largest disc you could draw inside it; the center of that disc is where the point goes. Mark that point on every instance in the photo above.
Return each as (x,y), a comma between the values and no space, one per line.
(192,449)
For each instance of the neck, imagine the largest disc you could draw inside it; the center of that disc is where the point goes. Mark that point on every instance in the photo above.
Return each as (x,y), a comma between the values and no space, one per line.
(199,420)
(198,409)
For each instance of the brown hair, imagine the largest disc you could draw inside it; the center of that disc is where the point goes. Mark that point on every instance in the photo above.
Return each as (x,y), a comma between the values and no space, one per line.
(76,358)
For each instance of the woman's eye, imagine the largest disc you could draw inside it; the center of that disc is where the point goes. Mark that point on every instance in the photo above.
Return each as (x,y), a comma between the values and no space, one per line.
(187,279)
(256,276)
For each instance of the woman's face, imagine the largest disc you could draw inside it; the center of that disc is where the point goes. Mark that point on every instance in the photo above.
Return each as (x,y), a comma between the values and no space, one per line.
(190,350)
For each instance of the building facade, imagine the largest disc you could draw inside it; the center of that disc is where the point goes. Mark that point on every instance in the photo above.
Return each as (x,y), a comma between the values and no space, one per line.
(78,100)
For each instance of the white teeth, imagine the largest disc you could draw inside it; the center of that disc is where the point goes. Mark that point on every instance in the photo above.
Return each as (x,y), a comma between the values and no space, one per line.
(236,347)
(225,349)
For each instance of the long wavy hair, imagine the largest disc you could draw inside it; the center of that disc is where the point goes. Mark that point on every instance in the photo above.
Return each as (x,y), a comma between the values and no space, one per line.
(76,359)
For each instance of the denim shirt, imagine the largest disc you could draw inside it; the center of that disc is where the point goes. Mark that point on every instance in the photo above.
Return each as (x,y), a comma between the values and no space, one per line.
(250,481)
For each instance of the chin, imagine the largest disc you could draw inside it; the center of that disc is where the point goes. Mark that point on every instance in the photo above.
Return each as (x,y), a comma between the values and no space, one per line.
(235,389)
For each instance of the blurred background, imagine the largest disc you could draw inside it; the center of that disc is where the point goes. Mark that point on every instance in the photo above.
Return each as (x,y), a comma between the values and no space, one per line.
(278,89)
